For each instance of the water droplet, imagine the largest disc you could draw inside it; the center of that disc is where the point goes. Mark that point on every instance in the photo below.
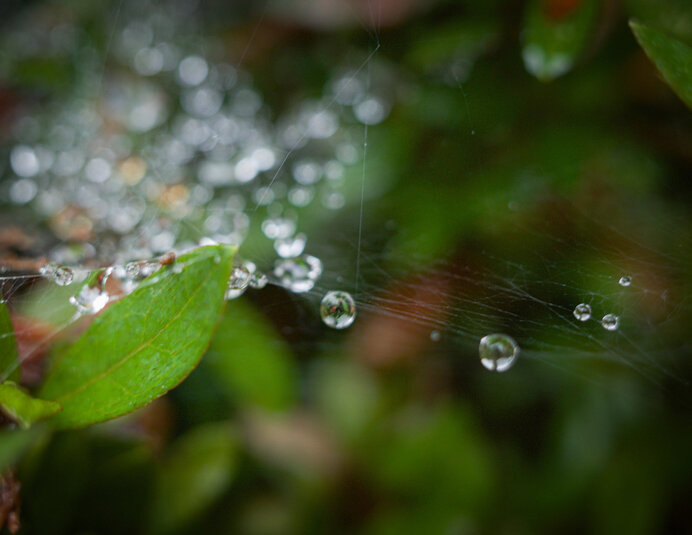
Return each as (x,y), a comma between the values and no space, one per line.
(278,227)
(298,274)
(239,279)
(92,298)
(290,247)
(498,352)
(435,336)
(582,312)
(338,310)
(610,322)
(258,280)
(625,280)
(193,70)
(61,275)
(132,270)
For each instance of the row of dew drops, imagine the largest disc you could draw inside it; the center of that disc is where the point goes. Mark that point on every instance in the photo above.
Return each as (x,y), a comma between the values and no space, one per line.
(498,352)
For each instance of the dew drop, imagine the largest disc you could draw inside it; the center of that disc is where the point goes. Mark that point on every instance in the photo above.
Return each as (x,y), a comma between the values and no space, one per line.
(498,352)
(258,280)
(61,275)
(278,227)
(92,298)
(290,247)
(238,282)
(338,310)
(435,336)
(239,279)
(582,312)
(610,322)
(625,280)
(298,274)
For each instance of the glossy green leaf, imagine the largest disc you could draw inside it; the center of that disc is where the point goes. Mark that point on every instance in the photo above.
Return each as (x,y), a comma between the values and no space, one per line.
(145,344)
(9,366)
(672,58)
(553,42)
(17,404)
(252,360)
(197,470)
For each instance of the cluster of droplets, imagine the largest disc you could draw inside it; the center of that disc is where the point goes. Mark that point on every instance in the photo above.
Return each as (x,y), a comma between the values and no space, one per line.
(134,172)
(610,321)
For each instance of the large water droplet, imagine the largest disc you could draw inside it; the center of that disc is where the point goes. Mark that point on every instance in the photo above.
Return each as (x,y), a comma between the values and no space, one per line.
(498,352)
(610,322)
(338,310)
(582,312)
(625,280)
(298,274)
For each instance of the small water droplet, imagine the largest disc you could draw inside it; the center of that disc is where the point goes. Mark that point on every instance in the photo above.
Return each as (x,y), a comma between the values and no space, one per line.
(435,336)
(610,322)
(92,298)
(239,279)
(582,312)
(338,310)
(258,280)
(61,275)
(498,352)
(298,274)
(625,280)
(278,227)
(132,270)
(290,247)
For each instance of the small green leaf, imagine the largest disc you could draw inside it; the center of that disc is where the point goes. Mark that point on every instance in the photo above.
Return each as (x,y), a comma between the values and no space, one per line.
(16,403)
(145,344)
(252,360)
(672,58)
(553,42)
(196,471)
(9,365)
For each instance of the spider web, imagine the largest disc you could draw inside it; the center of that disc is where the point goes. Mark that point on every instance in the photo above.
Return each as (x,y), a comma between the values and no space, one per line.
(407,303)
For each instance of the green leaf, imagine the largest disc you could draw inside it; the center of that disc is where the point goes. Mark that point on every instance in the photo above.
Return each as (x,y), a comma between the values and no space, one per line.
(197,470)
(145,344)
(16,403)
(554,41)
(252,360)
(672,58)
(9,365)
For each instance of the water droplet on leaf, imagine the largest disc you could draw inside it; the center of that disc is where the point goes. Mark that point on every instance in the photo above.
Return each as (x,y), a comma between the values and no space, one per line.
(625,280)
